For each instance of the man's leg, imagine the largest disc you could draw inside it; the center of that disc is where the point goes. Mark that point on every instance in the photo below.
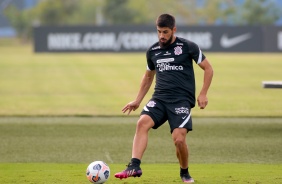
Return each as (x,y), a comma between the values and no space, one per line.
(144,124)
(182,153)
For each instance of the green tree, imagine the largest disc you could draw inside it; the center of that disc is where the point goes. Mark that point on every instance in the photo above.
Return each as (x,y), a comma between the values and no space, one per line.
(49,12)
(89,12)
(56,12)
(259,12)
(99,12)
(209,13)
(251,12)
(20,21)
(118,12)
(148,10)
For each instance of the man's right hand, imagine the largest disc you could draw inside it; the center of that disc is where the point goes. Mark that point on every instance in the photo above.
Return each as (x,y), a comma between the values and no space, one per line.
(130,106)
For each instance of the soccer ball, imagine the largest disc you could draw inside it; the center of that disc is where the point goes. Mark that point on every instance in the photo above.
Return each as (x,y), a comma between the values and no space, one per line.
(98,172)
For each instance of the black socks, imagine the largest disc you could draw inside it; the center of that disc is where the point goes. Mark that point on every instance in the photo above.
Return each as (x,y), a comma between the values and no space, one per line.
(183,171)
(135,161)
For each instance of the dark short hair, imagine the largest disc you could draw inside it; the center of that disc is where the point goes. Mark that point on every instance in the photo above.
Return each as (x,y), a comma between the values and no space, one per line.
(166,20)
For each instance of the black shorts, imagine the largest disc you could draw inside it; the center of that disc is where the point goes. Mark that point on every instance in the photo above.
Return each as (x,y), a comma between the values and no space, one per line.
(177,114)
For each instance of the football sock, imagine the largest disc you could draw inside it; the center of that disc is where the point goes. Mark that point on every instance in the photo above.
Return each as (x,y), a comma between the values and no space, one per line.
(136,161)
(183,171)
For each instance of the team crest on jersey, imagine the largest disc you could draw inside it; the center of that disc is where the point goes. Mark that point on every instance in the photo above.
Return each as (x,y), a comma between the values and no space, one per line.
(151,104)
(178,50)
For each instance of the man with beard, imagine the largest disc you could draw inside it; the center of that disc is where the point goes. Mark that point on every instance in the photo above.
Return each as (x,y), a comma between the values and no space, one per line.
(171,59)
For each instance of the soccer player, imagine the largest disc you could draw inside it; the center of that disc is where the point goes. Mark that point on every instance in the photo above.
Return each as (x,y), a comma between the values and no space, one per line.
(171,60)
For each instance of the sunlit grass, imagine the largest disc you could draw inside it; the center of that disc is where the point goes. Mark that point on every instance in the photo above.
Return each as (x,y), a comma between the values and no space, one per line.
(48,150)
(102,83)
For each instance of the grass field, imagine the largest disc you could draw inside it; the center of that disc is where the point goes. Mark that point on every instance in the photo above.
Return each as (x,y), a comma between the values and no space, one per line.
(50,173)
(58,149)
(101,84)
(213,140)
(59,112)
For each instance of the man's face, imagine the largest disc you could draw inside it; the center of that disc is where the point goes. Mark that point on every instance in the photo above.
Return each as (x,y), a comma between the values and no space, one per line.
(165,35)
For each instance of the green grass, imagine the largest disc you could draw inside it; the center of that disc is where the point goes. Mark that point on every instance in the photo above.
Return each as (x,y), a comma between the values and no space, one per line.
(51,173)
(213,140)
(58,150)
(58,113)
(102,83)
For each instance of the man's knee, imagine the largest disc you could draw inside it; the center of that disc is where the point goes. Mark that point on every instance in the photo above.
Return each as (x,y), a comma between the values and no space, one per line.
(145,122)
(179,137)
(179,141)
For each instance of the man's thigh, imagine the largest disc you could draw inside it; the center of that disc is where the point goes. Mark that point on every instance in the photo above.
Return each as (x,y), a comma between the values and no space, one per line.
(156,110)
(179,115)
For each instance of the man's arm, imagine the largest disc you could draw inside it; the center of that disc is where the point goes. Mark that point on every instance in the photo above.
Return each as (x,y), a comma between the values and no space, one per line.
(144,88)
(208,74)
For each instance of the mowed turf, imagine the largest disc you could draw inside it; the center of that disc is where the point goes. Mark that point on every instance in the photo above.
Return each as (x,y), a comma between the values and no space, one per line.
(102,83)
(57,114)
(58,150)
(50,173)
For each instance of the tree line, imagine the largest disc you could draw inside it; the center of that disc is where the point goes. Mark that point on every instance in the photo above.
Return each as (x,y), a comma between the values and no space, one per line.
(112,12)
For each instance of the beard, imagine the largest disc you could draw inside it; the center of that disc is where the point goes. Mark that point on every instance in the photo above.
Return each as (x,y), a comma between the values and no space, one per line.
(167,43)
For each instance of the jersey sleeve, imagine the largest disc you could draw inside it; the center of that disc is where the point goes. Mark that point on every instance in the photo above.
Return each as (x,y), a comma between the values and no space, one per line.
(150,64)
(195,52)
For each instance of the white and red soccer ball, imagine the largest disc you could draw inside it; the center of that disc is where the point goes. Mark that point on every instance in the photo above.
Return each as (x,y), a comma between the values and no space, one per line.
(98,172)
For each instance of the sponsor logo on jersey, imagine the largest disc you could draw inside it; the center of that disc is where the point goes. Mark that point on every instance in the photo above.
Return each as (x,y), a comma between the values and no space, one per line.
(179,43)
(178,50)
(165,60)
(164,65)
(158,53)
(167,67)
(182,110)
(167,53)
(157,47)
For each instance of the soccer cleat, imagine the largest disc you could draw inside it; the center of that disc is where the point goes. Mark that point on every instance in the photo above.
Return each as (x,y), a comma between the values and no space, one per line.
(130,171)
(186,178)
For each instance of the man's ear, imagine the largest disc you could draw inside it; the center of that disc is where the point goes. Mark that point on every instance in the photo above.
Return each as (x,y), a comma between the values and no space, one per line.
(174,29)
